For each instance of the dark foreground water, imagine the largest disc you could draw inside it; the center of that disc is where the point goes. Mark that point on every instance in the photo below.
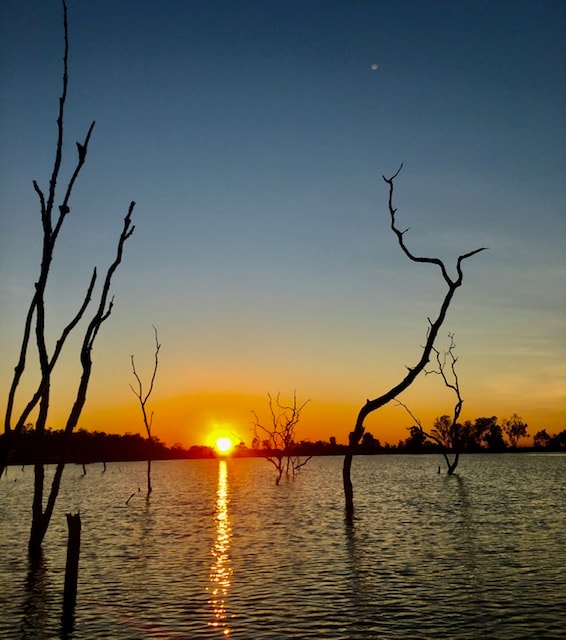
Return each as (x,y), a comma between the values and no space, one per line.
(220,551)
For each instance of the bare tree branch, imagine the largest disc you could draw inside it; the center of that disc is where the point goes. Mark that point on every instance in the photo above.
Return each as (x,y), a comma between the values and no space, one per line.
(101,314)
(445,433)
(35,321)
(376,403)
(280,434)
(53,361)
(144,397)
(449,358)
(37,304)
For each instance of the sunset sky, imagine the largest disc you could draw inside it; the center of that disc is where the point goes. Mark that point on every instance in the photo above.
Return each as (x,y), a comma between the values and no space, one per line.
(253,137)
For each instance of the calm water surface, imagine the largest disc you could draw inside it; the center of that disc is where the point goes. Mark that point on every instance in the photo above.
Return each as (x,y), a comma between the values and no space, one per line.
(220,551)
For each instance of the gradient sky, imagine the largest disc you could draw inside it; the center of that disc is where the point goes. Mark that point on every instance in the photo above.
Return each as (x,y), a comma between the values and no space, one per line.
(253,137)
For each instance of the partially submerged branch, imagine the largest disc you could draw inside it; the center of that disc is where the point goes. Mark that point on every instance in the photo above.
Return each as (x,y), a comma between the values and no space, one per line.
(139,392)
(52,220)
(101,314)
(143,398)
(451,380)
(446,430)
(452,285)
(279,436)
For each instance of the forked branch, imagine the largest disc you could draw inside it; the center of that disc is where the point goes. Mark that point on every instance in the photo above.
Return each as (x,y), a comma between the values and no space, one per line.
(139,391)
(451,380)
(101,314)
(452,285)
(446,430)
(37,304)
(280,434)
(143,398)
(35,322)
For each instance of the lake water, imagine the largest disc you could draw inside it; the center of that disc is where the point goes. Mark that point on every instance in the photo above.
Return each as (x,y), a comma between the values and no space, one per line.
(220,551)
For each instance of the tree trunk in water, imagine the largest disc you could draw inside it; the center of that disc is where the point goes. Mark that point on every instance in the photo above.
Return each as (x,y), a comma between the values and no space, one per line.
(348,488)
(434,326)
(71,569)
(38,529)
(149,489)
(452,467)
(38,525)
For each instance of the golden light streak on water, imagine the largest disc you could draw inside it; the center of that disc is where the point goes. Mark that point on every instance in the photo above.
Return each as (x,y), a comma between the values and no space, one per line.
(221,567)
(280,562)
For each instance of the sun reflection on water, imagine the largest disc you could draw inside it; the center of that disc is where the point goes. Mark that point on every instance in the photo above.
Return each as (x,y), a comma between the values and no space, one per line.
(221,567)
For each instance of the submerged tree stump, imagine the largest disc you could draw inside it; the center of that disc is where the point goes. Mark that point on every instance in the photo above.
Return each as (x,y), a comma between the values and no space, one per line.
(71,568)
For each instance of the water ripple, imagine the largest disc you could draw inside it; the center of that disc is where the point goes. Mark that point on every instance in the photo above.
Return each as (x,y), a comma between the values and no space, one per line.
(221,552)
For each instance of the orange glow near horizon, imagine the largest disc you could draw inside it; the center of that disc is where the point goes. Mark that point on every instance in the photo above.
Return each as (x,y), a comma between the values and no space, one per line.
(202,418)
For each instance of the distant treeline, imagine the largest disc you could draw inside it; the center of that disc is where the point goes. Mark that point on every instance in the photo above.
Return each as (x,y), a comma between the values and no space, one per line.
(484,435)
(85,446)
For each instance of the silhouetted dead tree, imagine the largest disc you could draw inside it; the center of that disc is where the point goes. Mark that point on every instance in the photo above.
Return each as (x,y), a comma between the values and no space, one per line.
(280,441)
(446,428)
(434,326)
(143,398)
(52,220)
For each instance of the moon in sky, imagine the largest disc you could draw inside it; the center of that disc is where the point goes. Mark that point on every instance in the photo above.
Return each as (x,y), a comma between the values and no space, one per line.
(374,67)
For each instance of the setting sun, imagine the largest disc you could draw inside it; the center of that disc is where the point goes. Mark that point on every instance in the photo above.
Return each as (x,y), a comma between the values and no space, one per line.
(224,445)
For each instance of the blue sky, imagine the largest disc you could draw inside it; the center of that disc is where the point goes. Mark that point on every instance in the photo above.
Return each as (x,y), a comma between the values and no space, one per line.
(253,137)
